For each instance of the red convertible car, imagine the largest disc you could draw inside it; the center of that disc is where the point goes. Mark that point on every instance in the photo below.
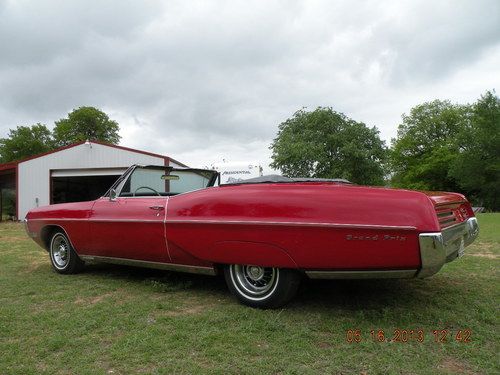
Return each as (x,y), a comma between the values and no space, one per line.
(264,234)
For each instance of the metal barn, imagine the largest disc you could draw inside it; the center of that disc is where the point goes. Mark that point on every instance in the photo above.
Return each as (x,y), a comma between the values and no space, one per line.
(78,172)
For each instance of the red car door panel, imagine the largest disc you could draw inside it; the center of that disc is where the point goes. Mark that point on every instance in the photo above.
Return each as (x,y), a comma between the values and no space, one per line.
(131,228)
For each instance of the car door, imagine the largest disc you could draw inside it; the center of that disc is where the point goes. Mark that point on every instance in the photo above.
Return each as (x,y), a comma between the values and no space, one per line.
(130,228)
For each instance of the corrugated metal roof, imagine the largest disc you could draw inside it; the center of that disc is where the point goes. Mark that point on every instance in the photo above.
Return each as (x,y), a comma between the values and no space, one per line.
(13,165)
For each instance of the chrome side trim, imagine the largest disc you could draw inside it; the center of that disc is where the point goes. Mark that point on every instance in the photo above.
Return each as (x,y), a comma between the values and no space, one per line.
(291,223)
(366,274)
(161,221)
(102,220)
(58,219)
(147,264)
(244,222)
(438,248)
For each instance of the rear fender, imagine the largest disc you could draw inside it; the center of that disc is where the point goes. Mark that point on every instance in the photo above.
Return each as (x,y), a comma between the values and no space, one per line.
(254,253)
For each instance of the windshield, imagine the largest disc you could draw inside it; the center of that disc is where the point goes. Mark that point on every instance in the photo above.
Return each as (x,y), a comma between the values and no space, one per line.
(153,181)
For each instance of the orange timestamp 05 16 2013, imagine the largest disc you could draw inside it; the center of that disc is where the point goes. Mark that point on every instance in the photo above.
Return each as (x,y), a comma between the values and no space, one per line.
(409,335)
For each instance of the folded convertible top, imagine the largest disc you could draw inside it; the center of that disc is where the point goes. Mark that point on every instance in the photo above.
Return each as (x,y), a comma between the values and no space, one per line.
(275,178)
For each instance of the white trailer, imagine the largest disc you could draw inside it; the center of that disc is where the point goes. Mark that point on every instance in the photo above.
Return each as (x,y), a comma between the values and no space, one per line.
(234,172)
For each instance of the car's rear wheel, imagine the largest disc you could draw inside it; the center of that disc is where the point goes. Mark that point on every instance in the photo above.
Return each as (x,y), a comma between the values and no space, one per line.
(63,257)
(263,287)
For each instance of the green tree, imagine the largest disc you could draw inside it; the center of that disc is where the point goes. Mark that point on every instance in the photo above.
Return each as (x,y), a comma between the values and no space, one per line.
(426,146)
(327,144)
(86,123)
(25,141)
(476,167)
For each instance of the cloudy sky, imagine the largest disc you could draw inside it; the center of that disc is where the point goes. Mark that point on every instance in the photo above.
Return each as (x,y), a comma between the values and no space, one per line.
(206,80)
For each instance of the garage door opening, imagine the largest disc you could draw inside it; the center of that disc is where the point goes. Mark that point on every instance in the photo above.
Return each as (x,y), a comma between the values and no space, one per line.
(80,188)
(7,195)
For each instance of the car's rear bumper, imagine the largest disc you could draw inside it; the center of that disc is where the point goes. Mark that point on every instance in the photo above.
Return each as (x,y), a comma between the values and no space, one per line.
(438,248)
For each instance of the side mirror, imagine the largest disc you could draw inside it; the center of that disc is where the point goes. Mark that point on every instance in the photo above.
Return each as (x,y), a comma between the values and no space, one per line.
(112,195)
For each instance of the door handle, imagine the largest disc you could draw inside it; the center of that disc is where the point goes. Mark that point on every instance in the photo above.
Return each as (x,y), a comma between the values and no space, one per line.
(157,208)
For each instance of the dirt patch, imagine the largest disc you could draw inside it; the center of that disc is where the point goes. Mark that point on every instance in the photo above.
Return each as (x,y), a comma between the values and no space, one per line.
(11,239)
(93,300)
(324,345)
(454,366)
(485,255)
(191,306)
(105,365)
(485,247)
(186,310)
(484,250)
(44,306)
(325,340)
(262,345)
(41,367)
(33,265)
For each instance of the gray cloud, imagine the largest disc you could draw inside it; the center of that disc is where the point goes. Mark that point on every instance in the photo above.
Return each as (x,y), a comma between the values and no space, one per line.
(207,80)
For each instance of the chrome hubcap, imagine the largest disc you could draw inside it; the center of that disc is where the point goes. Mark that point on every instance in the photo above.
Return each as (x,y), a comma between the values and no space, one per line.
(60,250)
(254,280)
(255,273)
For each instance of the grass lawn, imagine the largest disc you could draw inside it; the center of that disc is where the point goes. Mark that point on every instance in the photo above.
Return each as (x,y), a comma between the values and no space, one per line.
(120,320)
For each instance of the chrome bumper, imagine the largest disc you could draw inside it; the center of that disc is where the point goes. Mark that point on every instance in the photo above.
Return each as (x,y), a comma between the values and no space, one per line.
(438,248)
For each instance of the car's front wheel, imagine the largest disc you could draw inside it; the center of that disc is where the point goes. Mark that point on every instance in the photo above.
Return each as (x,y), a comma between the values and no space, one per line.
(263,287)
(63,257)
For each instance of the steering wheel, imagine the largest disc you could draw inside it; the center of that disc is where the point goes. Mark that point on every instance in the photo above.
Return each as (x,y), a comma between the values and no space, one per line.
(147,187)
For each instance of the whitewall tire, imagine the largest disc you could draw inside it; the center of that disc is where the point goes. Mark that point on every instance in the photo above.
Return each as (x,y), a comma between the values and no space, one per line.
(263,287)
(63,257)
